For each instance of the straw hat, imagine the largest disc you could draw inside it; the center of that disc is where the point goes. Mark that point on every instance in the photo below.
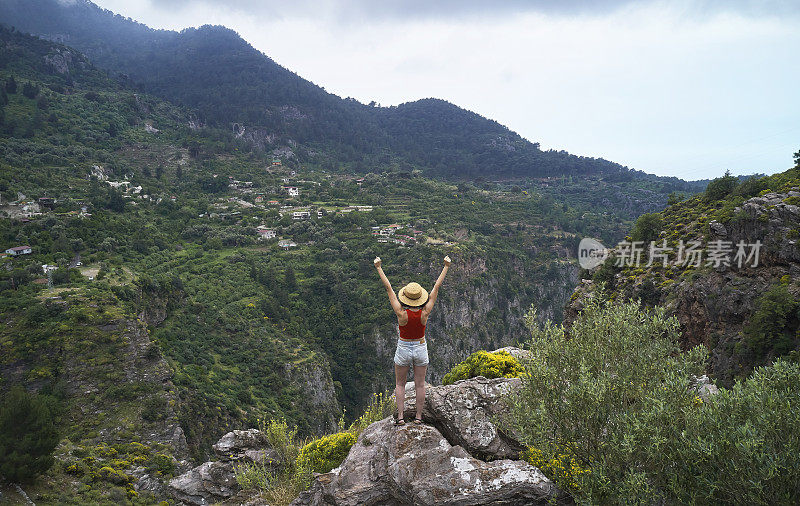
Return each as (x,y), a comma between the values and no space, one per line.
(413,295)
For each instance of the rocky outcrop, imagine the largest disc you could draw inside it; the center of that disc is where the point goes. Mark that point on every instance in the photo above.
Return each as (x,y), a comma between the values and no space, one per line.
(215,481)
(704,388)
(417,465)
(465,413)
(459,456)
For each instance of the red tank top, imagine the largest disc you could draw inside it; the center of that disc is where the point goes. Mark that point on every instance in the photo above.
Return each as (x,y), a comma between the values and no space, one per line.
(414,329)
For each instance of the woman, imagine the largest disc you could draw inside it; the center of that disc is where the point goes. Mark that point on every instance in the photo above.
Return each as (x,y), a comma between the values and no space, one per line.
(413,306)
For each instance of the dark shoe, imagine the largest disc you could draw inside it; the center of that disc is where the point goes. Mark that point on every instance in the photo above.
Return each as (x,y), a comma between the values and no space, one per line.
(399,422)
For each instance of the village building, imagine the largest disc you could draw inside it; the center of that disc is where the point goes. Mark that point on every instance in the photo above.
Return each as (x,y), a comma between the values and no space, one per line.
(265,234)
(287,243)
(19,250)
(293,191)
(301,215)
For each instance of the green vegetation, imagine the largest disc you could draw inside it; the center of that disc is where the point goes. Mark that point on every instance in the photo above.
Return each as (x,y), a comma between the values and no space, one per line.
(27,435)
(483,363)
(773,327)
(105,472)
(721,187)
(647,228)
(770,331)
(610,414)
(325,453)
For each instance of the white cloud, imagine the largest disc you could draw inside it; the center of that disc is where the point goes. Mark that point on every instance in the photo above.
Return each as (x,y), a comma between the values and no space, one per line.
(659,88)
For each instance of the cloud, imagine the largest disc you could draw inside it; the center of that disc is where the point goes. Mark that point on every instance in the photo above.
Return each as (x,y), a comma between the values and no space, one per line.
(355,11)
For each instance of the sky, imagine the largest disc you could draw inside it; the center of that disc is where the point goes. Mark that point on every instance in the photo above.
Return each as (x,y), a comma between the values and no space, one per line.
(680,88)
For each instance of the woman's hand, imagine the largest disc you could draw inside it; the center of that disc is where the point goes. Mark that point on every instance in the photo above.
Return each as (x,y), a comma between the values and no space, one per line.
(377,262)
(447,261)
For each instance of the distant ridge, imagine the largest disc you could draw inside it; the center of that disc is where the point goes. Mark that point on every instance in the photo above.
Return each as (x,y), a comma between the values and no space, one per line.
(231,84)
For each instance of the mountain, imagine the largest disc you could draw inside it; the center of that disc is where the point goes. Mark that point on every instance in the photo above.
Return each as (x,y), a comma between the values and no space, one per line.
(740,297)
(234,86)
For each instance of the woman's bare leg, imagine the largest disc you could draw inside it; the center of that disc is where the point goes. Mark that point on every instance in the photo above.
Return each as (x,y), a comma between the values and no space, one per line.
(400,377)
(419,384)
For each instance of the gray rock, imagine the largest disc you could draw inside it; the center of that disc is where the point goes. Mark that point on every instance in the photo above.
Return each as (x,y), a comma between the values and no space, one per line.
(416,465)
(147,482)
(215,481)
(704,387)
(718,229)
(464,412)
(234,444)
(205,484)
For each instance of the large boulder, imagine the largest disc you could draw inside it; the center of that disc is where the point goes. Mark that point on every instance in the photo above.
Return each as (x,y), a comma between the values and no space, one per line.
(465,411)
(212,482)
(249,445)
(205,484)
(415,464)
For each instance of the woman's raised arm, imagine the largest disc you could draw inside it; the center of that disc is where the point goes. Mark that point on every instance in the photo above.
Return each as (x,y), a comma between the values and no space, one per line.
(398,309)
(435,291)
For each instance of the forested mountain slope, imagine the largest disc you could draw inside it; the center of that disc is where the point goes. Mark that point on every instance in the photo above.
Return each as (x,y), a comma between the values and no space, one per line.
(234,86)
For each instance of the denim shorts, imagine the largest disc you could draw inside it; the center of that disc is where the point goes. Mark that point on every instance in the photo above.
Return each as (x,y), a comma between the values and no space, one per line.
(411,353)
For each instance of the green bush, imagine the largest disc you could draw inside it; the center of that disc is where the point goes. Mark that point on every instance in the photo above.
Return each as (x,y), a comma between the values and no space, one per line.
(590,397)
(28,436)
(486,364)
(253,476)
(647,227)
(774,323)
(323,454)
(283,439)
(742,447)
(161,463)
(609,414)
(721,187)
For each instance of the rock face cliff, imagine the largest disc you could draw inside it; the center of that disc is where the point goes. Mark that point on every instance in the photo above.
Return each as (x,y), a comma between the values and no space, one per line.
(715,304)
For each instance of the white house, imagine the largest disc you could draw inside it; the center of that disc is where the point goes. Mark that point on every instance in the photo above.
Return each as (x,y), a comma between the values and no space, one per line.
(301,215)
(265,233)
(293,191)
(287,243)
(19,250)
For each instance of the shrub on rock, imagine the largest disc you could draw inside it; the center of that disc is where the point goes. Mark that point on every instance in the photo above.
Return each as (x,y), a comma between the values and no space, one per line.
(325,453)
(483,363)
